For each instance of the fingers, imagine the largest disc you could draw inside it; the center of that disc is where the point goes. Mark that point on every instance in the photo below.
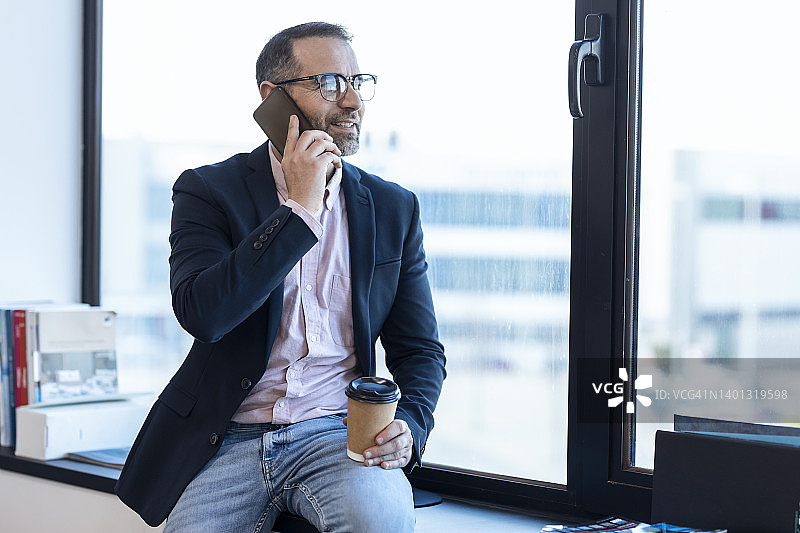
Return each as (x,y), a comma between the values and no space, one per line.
(316,141)
(331,159)
(394,447)
(306,159)
(292,134)
(393,430)
(387,462)
(396,459)
(318,147)
(398,463)
(302,141)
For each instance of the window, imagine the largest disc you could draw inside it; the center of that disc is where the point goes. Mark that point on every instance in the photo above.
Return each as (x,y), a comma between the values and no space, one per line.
(718,302)
(542,262)
(489,160)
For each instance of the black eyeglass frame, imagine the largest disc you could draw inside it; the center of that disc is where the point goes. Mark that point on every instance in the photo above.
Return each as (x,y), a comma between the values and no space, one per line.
(348,83)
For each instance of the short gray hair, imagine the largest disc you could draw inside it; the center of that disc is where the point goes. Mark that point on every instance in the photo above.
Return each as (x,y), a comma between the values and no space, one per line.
(277,62)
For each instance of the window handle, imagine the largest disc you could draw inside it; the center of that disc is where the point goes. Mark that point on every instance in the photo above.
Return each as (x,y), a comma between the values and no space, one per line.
(590,52)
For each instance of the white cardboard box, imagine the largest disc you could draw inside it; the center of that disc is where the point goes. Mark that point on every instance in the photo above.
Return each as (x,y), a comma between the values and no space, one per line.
(47,432)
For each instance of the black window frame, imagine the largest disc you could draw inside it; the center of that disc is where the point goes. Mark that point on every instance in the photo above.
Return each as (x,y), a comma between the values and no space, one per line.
(605,259)
(604,220)
(91,147)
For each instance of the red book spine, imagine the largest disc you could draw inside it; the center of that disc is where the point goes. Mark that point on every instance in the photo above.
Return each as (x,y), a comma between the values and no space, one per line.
(20,359)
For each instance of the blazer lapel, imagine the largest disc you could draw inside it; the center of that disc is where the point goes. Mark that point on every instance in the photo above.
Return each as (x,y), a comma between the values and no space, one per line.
(361,227)
(261,182)
(264,195)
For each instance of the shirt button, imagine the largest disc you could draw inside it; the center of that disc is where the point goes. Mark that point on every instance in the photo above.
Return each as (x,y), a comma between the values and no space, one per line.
(213,439)
(313,338)
(246,383)
(308,287)
(280,403)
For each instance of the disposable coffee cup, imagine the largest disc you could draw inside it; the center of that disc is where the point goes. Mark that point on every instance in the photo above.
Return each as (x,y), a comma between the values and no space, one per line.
(371,404)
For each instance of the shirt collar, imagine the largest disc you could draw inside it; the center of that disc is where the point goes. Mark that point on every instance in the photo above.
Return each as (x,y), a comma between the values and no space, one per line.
(331,189)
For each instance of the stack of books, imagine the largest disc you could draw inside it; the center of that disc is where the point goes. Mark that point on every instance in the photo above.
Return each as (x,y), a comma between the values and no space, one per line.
(54,353)
(625,526)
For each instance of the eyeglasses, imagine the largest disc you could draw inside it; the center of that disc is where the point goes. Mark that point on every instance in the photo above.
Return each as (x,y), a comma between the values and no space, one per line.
(333,87)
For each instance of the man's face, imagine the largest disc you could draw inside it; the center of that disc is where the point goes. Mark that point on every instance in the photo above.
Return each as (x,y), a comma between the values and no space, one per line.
(341,120)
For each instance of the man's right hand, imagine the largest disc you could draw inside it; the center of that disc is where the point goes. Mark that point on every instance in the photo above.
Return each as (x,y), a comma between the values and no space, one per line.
(305,163)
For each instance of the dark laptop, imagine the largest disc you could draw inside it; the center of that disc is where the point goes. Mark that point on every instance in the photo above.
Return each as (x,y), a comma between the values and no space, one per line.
(747,483)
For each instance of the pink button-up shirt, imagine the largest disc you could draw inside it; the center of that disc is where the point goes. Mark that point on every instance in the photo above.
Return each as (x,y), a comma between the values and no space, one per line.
(313,358)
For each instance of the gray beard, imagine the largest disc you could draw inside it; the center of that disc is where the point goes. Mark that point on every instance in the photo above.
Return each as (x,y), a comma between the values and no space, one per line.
(347,142)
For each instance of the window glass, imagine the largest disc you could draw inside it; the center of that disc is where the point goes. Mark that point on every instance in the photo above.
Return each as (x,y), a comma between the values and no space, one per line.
(719,298)
(469,112)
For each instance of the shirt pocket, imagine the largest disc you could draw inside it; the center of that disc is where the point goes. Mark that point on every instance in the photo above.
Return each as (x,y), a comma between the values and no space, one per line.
(340,311)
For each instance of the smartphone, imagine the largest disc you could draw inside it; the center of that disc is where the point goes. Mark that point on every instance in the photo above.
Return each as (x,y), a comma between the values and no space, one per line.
(273,116)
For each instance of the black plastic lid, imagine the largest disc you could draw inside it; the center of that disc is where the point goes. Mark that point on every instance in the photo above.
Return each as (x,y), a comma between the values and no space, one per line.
(373,390)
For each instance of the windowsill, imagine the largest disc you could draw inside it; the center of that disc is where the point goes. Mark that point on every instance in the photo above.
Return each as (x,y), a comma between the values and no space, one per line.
(469,515)
(63,470)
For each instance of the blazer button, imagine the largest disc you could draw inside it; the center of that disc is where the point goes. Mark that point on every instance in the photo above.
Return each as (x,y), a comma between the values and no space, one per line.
(263,237)
(269,230)
(257,245)
(246,383)
(213,439)
(275,223)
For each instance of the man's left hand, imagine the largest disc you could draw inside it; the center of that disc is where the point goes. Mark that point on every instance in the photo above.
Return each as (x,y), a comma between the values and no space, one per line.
(394,446)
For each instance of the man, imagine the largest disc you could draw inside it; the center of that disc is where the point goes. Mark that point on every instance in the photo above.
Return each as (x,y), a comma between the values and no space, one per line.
(286,270)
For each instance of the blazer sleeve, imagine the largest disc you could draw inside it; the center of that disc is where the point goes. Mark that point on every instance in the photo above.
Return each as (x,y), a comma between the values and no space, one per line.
(410,337)
(217,278)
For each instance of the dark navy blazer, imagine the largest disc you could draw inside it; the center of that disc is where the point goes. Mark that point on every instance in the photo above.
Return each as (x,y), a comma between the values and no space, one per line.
(232,246)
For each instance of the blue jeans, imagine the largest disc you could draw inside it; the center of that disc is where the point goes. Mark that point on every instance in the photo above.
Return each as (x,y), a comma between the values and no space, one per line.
(302,469)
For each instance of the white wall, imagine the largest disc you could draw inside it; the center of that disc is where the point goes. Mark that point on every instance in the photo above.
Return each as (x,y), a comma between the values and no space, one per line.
(40,141)
(34,505)
(40,202)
